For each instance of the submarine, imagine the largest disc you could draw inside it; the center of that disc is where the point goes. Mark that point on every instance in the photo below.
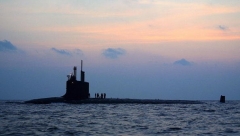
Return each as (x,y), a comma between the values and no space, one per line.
(77,92)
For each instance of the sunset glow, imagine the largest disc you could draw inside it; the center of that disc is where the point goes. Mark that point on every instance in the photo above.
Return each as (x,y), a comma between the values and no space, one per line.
(125,36)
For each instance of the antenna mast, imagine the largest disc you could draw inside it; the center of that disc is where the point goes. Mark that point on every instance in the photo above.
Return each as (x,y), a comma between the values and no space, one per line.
(81,64)
(82,73)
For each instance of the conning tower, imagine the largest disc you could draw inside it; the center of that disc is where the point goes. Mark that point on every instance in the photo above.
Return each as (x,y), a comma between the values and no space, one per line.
(77,90)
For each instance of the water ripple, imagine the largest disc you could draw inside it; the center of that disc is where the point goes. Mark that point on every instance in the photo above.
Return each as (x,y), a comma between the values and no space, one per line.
(210,118)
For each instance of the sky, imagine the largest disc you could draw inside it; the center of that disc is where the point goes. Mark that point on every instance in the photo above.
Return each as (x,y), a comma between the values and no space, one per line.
(146,49)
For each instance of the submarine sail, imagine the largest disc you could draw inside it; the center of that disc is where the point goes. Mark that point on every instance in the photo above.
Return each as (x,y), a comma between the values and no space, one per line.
(77,90)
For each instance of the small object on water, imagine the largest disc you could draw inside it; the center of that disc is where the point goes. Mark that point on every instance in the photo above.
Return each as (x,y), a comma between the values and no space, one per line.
(222,99)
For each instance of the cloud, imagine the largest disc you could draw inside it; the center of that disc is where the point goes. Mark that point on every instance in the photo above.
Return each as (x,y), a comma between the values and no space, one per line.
(62,51)
(7,46)
(67,52)
(223,28)
(78,52)
(113,53)
(182,62)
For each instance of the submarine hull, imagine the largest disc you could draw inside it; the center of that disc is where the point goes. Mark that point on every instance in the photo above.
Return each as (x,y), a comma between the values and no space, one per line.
(110,101)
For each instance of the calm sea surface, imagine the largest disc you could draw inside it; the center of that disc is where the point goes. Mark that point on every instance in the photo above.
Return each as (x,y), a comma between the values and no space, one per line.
(210,118)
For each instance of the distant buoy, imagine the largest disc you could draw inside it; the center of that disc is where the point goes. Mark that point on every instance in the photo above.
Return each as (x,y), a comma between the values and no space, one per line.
(222,99)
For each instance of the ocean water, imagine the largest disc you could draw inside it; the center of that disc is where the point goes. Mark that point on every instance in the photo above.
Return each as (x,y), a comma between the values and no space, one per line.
(210,118)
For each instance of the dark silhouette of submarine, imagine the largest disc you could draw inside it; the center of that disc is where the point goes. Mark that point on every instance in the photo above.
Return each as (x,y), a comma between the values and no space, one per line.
(77,92)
